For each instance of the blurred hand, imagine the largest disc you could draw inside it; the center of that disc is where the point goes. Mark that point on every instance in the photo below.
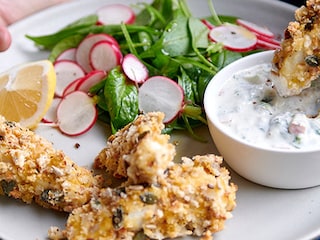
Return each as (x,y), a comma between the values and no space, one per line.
(14,10)
(5,38)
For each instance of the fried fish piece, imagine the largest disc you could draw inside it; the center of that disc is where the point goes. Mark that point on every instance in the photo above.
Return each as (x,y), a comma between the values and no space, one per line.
(139,151)
(297,63)
(31,169)
(193,198)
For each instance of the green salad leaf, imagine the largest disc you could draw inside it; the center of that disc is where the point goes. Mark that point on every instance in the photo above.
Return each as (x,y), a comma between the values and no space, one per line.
(121,98)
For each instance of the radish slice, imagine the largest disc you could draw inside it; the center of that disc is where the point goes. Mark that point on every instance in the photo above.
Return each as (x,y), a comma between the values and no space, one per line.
(104,56)
(90,80)
(76,113)
(267,45)
(234,37)
(51,114)
(208,24)
(269,40)
(71,87)
(84,48)
(67,71)
(69,54)
(134,69)
(255,28)
(116,14)
(159,93)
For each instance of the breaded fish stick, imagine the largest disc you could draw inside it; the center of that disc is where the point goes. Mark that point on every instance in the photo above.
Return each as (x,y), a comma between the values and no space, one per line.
(139,151)
(31,169)
(297,63)
(194,198)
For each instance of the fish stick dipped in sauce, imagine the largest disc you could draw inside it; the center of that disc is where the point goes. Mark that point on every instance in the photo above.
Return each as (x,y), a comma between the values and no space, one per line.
(297,63)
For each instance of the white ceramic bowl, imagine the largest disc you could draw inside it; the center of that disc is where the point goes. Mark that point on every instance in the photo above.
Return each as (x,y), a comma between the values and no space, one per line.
(288,169)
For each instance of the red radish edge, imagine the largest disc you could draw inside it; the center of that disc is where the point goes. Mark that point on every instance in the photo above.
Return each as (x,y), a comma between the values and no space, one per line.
(104,56)
(159,93)
(67,71)
(116,14)
(90,80)
(255,28)
(76,113)
(267,45)
(134,69)
(71,87)
(51,114)
(234,37)
(207,23)
(83,51)
(269,40)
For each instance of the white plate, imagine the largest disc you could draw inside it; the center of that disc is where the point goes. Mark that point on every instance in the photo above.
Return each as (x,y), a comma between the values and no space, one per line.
(261,213)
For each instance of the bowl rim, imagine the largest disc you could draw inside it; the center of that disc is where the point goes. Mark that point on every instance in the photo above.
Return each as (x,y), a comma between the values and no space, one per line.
(228,71)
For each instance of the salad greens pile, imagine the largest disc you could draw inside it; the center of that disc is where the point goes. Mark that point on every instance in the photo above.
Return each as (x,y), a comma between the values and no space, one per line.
(169,41)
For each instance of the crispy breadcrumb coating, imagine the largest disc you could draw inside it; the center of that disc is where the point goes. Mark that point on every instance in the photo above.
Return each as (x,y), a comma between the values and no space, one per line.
(31,169)
(297,63)
(139,151)
(193,198)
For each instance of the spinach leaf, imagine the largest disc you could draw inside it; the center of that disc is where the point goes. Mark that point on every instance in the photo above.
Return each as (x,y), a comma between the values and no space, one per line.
(203,81)
(49,41)
(198,80)
(224,57)
(84,21)
(166,65)
(199,33)
(156,15)
(145,40)
(121,98)
(188,85)
(151,17)
(64,44)
(199,39)
(175,39)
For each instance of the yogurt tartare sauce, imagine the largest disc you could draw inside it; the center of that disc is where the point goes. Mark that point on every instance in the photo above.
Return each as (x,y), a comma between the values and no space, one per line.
(251,108)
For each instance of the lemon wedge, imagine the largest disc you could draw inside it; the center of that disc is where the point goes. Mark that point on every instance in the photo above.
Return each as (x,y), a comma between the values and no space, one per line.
(26,92)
